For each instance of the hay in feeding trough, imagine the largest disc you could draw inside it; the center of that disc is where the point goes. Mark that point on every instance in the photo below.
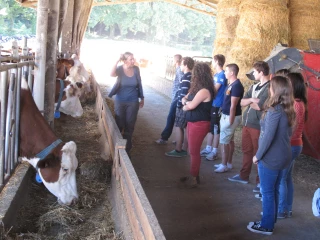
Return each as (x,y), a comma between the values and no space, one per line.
(304,22)
(63,217)
(227,21)
(262,24)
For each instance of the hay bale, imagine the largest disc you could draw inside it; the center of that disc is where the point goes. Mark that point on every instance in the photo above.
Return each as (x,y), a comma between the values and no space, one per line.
(304,22)
(262,24)
(227,21)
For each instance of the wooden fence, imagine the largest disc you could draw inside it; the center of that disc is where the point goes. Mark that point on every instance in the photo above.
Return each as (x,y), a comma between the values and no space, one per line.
(138,211)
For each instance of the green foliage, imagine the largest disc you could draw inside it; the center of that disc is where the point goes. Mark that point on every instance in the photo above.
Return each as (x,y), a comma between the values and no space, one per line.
(157,22)
(15,19)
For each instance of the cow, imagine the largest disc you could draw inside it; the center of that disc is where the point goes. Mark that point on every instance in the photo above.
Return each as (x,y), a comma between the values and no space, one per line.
(67,95)
(63,67)
(54,160)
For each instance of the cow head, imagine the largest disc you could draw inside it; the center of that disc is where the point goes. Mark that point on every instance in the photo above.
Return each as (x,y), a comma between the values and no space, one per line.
(57,172)
(71,105)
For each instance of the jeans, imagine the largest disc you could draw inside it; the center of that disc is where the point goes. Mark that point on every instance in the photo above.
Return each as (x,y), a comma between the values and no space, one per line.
(250,138)
(197,131)
(126,116)
(286,184)
(166,133)
(269,187)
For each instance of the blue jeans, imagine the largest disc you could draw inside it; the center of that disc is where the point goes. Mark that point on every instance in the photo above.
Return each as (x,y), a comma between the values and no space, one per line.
(286,184)
(269,187)
(166,133)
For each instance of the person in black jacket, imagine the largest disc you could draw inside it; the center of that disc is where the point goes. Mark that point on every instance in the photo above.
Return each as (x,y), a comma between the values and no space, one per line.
(128,91)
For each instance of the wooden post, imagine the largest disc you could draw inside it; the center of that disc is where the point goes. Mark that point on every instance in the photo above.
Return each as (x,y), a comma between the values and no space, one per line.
(40,55)
(62,16)
(66,35)
(51,60)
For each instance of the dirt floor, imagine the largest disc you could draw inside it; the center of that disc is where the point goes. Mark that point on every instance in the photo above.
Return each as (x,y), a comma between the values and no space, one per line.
(42,218)
(218,209)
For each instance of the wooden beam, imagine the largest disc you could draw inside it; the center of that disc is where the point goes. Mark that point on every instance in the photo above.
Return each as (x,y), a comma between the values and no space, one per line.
(106,3)
(191,8)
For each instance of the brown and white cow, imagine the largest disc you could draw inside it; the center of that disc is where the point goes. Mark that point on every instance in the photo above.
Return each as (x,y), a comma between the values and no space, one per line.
(70,102)
(57,169)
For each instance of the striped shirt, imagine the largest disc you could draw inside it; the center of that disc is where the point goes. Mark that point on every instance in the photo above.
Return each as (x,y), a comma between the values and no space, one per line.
(184,87)
(176,83)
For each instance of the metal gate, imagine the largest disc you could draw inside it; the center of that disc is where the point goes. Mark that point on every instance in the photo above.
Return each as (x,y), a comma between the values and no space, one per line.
(13,70)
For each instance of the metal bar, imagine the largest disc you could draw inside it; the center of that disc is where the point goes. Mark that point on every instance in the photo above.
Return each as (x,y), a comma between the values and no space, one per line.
(17,117)
(8,66)
(8,122)
(3,95)
(30,77)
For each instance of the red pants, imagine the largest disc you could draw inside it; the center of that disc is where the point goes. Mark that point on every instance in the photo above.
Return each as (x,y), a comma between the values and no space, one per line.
(196,133)
(250,138)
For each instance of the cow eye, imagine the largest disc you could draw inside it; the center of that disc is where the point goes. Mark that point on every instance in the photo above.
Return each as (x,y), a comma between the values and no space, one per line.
(65,169)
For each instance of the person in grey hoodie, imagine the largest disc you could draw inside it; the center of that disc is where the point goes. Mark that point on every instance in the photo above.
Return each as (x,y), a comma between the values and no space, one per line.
(253,100)
(274,151)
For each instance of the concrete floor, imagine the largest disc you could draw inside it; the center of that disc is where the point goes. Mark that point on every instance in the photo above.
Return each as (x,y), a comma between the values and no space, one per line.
(218,209)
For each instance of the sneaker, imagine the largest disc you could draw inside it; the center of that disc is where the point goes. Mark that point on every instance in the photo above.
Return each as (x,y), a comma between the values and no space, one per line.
(251,223)
(257,188)
(282,215)
(256,228)
(161,141)
(289,214)
(229,165)
(237,178)
(218,165)
(204,152)
(221,169)
(174,153)
(211,156)
(258,195)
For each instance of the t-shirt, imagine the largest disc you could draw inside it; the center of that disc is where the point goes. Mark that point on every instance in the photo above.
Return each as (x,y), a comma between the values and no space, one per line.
(128,92)
(221,79)
(176,83)
(234,89)
(184,87)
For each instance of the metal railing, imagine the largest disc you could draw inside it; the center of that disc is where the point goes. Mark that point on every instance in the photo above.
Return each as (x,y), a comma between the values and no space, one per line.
(10,84)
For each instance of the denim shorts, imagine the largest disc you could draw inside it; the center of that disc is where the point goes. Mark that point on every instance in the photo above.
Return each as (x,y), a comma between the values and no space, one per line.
(226,130)
(180,120)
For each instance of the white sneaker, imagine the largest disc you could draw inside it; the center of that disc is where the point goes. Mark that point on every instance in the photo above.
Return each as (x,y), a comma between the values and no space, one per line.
(204,152)
(229,165)
(218,165)
(221,169)
(211,156)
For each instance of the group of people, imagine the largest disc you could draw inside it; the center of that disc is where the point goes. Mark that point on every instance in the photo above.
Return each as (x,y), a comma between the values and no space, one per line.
(210,105)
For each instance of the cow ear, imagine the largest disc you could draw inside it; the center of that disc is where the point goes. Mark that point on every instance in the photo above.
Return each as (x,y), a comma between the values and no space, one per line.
(79,84)
(49,162)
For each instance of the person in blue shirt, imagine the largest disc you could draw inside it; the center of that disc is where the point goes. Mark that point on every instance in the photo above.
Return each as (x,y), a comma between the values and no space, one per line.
(220,83)
(230,117)
(128,91)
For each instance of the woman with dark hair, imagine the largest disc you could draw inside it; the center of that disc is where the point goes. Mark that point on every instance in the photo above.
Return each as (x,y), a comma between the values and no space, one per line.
(274,151)
(128,90)
(197,105)
(300,108)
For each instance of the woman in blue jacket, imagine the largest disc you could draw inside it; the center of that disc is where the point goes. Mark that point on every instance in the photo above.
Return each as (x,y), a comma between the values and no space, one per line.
(274,151)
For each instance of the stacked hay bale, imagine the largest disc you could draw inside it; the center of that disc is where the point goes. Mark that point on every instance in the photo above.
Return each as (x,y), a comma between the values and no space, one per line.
(304,22)
(227,21)
(262,24)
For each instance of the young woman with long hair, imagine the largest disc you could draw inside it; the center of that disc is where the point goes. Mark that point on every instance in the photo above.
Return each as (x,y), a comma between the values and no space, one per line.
(197,105)
(274,151)
(300,108)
